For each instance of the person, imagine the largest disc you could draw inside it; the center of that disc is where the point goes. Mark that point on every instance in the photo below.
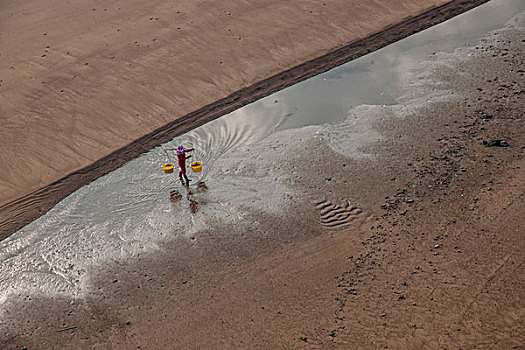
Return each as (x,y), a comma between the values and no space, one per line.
(181,157)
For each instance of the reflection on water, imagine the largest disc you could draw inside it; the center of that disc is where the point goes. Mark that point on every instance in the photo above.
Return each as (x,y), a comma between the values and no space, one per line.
(376,79)
(137,206)
(193,202)
(176,196)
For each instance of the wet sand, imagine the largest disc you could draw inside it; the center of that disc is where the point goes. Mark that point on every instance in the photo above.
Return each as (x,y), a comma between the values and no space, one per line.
(428,254)
(96,84)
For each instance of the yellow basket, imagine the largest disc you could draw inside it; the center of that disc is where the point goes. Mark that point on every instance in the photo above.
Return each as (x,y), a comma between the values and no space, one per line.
(168,168)
(196,166)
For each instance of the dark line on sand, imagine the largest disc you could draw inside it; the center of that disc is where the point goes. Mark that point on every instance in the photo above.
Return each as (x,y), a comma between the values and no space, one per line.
(18,213)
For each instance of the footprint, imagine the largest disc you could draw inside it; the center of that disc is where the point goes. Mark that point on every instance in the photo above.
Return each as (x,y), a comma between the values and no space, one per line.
(336,216)
(201,186)
(175,196)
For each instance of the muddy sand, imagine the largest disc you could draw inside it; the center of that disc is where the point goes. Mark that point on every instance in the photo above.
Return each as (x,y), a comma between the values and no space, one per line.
(419,244)
(85,87)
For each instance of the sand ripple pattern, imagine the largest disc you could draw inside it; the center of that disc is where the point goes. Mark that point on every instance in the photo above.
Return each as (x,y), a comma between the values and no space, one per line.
(335,216)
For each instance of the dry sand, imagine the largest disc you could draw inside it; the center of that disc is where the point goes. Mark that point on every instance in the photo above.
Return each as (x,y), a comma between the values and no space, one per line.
(86,86)
(432,259)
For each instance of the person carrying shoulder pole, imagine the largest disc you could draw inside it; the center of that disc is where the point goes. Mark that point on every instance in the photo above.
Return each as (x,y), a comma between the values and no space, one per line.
(181,158)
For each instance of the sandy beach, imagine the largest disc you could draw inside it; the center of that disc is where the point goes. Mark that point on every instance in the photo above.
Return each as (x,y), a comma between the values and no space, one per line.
(97,84)
(414,242)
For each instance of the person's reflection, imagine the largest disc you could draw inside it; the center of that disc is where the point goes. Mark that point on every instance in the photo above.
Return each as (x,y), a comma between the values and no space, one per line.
(176,196)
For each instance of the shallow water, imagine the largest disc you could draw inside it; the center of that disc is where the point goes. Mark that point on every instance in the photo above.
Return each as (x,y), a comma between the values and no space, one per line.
(129,210)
